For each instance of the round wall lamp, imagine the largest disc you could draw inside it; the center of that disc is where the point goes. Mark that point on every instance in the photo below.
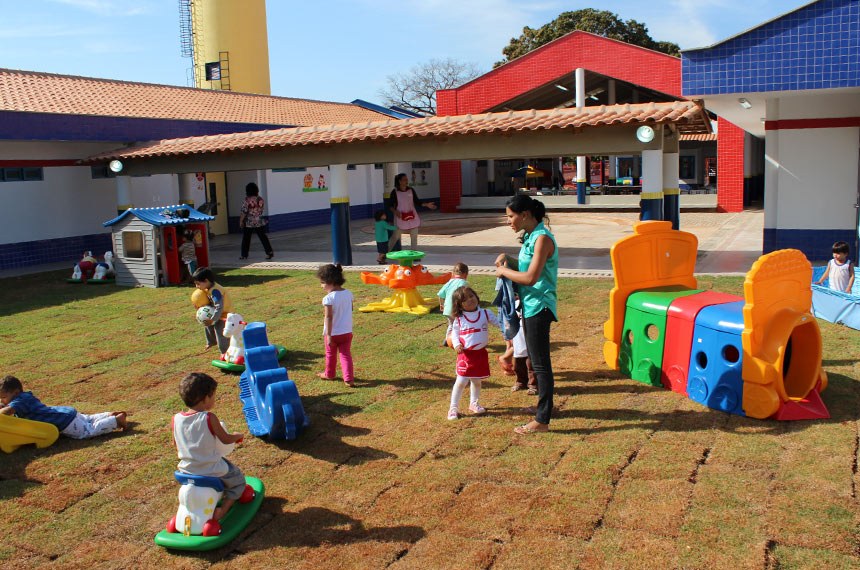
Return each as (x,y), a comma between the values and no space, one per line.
(645,134)
(115,166)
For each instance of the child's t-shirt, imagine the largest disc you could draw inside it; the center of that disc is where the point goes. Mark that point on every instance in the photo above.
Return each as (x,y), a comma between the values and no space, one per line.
(381,228)
(471,330)
(341,309)
(446,293)
(196,445)
(29,407)
(187,252)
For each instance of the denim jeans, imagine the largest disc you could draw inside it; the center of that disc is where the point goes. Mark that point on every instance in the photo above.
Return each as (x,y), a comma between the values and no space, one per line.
(537,341)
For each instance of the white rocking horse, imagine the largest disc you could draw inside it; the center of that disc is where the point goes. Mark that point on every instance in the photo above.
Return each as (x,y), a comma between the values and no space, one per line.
(233,327)
(104,269)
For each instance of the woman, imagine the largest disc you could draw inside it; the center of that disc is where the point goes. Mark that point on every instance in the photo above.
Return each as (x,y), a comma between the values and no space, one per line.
(404,203)
(537,277)
(251,221)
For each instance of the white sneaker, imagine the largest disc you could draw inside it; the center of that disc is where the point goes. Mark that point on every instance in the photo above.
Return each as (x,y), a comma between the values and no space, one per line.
(453,414)
(477,409)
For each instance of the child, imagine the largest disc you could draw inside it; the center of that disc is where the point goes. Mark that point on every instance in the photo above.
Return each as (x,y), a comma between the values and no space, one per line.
(381,228)
(195,432)
(469,335)
(337,323)
(445,294)
(188,253)
(522,366)
(204,280)
(840,269)
(68,420)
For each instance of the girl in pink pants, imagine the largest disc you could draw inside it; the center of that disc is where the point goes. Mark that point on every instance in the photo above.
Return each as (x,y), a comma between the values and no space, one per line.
(337,324)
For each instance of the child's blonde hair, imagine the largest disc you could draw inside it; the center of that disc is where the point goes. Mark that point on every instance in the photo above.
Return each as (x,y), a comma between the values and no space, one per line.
(461,268)
(459,296)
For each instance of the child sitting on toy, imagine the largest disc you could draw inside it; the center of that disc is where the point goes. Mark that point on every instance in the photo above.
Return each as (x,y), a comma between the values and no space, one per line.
(470,335)
(445,294)
(337,323)
(188,254)
(68,420)
(840,269)
(204,280)
(195,432)
(381,227)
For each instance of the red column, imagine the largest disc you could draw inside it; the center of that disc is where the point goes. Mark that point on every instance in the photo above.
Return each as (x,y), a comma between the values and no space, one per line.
(730,166)
(450,185)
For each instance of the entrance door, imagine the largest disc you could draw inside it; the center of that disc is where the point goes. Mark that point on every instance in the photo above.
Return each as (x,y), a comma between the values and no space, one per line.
(216,194)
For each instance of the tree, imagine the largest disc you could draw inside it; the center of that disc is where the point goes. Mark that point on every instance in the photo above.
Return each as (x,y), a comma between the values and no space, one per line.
(600,22)
(416,90)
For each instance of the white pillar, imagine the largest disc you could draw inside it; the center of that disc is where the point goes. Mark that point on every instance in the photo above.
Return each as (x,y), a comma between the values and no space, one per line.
(581,175)
(610,100)
(339,198)
(652,184)
(123,193)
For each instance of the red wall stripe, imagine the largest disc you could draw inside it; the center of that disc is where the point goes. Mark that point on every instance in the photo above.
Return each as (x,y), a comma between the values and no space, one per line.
(835,123)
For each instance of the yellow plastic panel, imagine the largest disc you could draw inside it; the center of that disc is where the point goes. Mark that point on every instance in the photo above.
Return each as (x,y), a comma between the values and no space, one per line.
(15,432)
(654,256)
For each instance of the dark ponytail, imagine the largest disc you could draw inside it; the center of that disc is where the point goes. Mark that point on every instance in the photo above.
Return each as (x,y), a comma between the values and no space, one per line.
(525,203)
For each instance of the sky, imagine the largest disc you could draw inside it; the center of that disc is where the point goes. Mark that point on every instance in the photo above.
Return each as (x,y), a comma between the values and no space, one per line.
(333,50)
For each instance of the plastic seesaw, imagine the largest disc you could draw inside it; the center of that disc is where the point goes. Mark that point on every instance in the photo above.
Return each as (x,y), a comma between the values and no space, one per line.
(270,400)
(403,279)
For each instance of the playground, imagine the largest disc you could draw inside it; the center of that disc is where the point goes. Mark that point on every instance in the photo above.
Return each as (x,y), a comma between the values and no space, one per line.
(630,476)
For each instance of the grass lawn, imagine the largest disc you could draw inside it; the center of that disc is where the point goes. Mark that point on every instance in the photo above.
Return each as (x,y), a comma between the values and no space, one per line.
(630,476)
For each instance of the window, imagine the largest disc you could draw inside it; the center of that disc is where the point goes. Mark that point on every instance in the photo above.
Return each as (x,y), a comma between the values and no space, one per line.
(420,165)
(26,174)
(350,167)
(291,169)
(687,167)
(132,245)
(377,166)
(97,172)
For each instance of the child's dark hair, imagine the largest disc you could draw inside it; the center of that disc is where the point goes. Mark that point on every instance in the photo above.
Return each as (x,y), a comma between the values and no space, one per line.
(189,235)
(461,268)
(523,202)
(377,215)
(841,247)
(196,386)
(204,274)
(331,274)
(459,296)
(10,384)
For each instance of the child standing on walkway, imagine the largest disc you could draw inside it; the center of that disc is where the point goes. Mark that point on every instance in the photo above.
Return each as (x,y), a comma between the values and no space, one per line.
(445,294)
(196,433)
(470,335)
(337,323)
(188,253)
(840,269)
(204,280)
(381,228)
(68,420)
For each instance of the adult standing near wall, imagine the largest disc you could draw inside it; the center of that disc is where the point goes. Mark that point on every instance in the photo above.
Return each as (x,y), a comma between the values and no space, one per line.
(404,204)
(251,221)
(536,274)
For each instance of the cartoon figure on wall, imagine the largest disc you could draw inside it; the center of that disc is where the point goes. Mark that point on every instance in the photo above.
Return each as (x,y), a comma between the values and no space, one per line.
(309,181)
(321,182)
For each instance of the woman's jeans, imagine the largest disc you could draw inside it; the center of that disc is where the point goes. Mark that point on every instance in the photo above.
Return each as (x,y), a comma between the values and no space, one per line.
(537,341)
(246,239)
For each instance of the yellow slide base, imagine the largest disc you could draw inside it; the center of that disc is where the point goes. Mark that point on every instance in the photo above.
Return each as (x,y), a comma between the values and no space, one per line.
(15,432)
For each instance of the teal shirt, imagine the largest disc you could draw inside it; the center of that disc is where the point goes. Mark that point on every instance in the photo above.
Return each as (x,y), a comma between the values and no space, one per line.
(381,228)
(542,295)
(447,291)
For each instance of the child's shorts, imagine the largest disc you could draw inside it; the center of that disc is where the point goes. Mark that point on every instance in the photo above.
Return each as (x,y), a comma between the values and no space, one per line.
(382,247)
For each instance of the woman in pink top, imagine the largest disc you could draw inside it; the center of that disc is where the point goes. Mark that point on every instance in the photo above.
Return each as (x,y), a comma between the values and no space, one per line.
(404,203)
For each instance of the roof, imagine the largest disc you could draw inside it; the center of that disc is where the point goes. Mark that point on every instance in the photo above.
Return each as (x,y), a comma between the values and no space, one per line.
(700,137)
(163,215)
(34,92)
(688,116)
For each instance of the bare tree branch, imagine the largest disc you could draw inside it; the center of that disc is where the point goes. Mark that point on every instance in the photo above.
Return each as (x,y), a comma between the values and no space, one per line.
(416,90)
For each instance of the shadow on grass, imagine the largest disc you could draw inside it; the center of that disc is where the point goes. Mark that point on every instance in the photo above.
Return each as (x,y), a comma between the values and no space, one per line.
(233,278)
(300,360)
(49,289)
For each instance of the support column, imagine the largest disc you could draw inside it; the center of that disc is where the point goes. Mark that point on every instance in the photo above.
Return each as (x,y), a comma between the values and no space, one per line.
(613,159)
(186,189)
(671,191)
(581,175)
(341,247)
(491,177)
(652,184)
(123,194)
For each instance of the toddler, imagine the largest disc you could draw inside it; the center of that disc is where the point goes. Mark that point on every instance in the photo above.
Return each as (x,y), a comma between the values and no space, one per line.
(68,420)
(840,270)
(196,432)
(469,336)
(204,280)
(445,294)
(522,365)
(337,323)
(188,253)
(381,228)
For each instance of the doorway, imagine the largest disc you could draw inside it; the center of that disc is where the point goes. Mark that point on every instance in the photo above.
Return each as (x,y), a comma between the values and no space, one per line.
(216,195)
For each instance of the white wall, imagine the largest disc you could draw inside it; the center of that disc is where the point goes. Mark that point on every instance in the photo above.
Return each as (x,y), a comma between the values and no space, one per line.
(152,191)
(236,182)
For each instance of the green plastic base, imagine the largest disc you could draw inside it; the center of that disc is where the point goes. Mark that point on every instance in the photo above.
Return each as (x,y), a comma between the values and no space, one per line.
(230,367)
(231,525)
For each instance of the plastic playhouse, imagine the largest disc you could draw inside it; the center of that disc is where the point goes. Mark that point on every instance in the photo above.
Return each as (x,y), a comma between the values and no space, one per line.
(836,306)
(403,279)
(758,355)
(15,432)
(270,400)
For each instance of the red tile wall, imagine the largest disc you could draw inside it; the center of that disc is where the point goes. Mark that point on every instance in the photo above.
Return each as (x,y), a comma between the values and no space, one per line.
(449,185)
(730,167)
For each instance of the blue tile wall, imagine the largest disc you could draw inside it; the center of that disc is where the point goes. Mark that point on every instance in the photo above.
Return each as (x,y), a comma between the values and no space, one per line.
(816,245)
(23,254)
(47,126)
(814,47)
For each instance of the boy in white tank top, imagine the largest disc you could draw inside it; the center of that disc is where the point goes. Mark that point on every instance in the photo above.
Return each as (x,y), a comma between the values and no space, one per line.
(840,269)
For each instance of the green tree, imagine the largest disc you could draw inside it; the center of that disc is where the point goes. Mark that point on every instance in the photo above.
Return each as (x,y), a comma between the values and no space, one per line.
(600,22)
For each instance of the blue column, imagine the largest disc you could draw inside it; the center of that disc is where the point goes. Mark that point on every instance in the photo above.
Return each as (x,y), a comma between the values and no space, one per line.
(671,192)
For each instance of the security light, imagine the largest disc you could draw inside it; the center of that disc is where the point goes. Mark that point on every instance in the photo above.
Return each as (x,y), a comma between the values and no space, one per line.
(115,166)
(562,87)
(645,134)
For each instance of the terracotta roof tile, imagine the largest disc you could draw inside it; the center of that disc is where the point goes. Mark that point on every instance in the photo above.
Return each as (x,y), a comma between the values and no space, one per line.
(33,92)
(689,117)
(701,137)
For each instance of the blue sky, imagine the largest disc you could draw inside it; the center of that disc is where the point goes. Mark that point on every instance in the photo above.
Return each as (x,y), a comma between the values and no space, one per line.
(335,50)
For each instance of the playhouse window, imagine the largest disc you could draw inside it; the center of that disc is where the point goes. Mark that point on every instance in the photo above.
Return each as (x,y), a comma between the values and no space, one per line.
(132,245)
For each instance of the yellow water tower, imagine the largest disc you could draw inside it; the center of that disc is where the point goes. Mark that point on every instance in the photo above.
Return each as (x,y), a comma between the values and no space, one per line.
(229,44)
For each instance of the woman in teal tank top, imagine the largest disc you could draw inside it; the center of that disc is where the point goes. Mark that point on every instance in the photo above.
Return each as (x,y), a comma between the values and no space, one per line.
(536,274)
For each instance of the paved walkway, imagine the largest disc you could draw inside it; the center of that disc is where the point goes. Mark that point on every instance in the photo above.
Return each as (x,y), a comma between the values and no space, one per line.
(728,243)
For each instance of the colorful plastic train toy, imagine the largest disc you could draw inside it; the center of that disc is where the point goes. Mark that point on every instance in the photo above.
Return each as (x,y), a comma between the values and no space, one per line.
(758,356)
(403,279)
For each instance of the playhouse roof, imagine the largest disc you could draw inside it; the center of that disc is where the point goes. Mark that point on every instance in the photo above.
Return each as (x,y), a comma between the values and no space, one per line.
(163,215)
